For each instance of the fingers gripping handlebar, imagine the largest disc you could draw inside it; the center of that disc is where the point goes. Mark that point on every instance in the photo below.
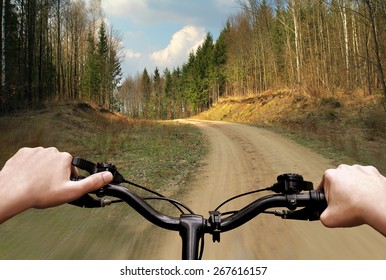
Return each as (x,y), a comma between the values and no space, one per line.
(292,192)
(86,200)
(93,168)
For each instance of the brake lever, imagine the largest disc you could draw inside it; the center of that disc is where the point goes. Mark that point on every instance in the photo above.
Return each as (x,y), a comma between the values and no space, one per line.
(310,212)
(87,201)
(305,214)
(93,168)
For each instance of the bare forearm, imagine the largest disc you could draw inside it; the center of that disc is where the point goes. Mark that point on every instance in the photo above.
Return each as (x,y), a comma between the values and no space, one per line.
(12,202)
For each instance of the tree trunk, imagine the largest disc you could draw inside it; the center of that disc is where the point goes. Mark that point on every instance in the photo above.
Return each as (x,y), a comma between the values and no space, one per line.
(377,48)
(58,54)
(31,49)
(345,34)
(1,56)
(297,43)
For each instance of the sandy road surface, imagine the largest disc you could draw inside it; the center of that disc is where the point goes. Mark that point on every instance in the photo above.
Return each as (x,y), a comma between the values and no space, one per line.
(243,158)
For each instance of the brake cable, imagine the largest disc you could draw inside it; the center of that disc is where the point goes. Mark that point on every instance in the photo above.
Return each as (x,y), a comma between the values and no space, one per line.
(172,201)
(238,196)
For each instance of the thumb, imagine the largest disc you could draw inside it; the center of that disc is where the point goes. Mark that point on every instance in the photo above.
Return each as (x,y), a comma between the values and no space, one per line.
(95,181)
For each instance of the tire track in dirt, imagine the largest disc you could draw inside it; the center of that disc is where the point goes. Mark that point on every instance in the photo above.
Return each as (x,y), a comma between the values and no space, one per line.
(243,158)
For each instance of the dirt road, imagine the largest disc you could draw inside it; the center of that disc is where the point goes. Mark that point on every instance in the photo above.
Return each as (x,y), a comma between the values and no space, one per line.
(243,158)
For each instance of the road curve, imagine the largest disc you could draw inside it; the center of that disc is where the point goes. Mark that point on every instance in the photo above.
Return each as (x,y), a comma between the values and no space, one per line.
(243,158)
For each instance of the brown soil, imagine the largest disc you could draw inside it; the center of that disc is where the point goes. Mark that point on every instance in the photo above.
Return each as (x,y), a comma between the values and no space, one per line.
(243,158)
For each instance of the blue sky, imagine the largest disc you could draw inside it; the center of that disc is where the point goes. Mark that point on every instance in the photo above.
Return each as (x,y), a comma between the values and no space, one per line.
(162,33)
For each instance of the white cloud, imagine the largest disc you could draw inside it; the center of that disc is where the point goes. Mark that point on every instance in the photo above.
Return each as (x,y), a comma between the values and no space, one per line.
(139,11)
(145,12)
(181,44)
(130,54)
(124,7)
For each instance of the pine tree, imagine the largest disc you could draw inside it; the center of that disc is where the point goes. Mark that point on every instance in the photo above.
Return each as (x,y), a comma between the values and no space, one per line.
(168,93)
(103,63)
(157,93)
(115,76)
(145,88)
(218,77)
(91,74)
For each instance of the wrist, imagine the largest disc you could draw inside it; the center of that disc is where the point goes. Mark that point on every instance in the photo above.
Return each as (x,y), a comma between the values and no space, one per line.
(12,202)
(375,210)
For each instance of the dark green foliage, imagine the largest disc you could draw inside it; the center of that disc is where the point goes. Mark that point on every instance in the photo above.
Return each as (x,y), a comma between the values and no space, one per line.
(51,50)
(183,91)
(91,75)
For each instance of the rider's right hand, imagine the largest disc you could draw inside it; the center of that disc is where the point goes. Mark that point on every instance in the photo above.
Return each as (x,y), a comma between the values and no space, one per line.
(355,195)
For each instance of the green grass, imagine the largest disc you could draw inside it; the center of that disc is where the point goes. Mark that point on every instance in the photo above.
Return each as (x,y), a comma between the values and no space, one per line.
(159,155)
(344,136)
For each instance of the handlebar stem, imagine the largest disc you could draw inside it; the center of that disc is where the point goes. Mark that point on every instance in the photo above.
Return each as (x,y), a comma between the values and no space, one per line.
(191,231)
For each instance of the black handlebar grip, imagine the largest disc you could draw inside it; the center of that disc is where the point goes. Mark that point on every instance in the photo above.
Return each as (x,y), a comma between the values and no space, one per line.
(315,204)
(319,198)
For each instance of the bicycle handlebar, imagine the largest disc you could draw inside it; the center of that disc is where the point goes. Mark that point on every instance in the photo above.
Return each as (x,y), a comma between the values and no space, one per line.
(143,208)
(292,191)
(313,199)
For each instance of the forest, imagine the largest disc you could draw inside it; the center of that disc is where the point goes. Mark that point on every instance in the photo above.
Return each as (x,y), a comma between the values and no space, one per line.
(56,50)
(61,49)
(319,47)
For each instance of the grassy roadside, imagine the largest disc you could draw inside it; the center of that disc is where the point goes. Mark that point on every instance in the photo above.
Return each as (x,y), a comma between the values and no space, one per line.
(346,129)
(159,155)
